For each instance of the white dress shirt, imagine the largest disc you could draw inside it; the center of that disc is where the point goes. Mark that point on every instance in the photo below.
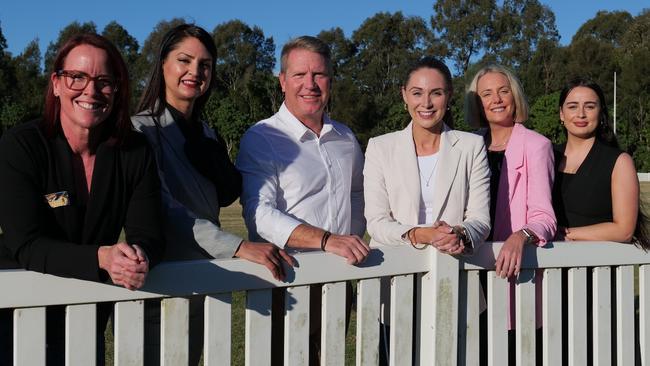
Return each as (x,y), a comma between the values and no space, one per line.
(292,176)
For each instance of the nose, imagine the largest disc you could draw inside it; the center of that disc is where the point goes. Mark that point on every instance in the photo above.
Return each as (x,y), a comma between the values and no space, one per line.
(428,101)
(310,81)
(496,98)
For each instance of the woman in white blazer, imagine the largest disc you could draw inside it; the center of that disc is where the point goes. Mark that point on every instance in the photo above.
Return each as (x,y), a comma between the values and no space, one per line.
(428,184)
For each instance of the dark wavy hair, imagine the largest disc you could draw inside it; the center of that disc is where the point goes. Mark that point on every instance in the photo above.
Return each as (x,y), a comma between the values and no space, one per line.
(154,94)
(604,132)
(119,119)
(429,62)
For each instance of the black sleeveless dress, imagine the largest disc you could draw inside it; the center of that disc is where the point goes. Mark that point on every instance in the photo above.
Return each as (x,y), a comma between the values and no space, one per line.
(585,198)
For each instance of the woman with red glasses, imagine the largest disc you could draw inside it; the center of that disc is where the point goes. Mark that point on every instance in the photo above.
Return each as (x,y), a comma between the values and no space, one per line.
(72,180)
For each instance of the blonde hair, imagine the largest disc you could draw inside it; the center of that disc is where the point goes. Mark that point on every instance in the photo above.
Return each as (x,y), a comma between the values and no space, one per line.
(308,43)
(474,115)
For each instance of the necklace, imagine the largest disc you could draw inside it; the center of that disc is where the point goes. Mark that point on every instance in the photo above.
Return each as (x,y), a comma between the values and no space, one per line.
(427,180)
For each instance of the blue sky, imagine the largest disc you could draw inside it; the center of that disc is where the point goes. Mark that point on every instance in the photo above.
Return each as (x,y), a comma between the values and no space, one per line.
(24,20)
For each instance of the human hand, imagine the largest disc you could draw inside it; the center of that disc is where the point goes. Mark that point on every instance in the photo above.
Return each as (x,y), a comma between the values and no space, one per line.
(127,265)
(509,260)
(444,238)
(266,254)
(350,247)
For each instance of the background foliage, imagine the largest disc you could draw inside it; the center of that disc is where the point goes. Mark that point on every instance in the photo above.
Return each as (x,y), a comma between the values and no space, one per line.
(370,64)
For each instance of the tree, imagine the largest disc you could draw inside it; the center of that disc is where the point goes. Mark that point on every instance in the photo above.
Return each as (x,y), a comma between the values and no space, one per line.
(128,47)
(464,27)
(386,45)
(519,26)
(242,51)
(124,42)
(605,26)
(342,50)
(545,118)
(65,34)
(31,83)
(6,73)
(634,81)
(546,70)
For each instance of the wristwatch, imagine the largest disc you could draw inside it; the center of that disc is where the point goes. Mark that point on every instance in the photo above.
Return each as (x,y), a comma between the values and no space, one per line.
(531,238)
(462,235)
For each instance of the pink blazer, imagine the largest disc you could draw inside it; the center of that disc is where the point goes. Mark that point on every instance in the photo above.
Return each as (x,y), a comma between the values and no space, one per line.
(524,198)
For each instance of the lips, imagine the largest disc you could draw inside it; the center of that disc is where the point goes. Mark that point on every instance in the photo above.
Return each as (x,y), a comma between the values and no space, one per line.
(581,124)
(498,109)
(191,83)
(426,114)
(90,106)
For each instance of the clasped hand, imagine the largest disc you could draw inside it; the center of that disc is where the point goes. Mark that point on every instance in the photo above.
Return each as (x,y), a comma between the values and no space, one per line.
(127,265)
(442,237)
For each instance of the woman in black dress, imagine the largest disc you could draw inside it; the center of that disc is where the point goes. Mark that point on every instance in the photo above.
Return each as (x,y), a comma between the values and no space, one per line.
(596,191)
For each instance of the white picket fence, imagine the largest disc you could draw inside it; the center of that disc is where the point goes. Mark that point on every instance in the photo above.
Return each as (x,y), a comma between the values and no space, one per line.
(446,308)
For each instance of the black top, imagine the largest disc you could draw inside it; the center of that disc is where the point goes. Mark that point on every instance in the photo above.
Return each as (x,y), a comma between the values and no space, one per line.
(210,158)
(585,198)
(495,161)
(59,238)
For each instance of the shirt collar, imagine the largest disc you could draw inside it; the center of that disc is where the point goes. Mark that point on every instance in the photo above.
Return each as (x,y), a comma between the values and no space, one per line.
(299,131)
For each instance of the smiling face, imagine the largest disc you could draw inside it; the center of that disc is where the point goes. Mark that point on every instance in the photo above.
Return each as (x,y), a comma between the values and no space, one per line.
(580,112)
(87,108)
(497,99)
(426,97)
(306,85)
(187,70)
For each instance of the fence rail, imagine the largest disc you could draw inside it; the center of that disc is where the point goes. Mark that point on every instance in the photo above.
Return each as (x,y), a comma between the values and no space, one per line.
(447,303)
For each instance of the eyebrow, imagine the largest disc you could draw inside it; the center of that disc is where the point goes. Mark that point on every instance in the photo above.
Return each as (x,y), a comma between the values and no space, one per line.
(193,57)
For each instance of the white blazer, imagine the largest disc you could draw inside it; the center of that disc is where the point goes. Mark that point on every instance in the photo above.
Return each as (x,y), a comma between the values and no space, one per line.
(392,185)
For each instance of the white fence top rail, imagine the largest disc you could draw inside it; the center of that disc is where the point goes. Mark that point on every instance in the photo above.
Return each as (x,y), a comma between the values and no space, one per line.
(20,288)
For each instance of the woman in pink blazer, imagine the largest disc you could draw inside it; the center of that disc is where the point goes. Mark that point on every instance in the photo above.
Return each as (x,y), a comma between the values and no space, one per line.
(521,163)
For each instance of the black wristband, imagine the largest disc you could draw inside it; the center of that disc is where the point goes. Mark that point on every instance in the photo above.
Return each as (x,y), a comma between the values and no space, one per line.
(323,240)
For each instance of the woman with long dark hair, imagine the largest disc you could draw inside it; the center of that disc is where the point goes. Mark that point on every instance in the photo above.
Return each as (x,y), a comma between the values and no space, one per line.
(590,165)
(197,176)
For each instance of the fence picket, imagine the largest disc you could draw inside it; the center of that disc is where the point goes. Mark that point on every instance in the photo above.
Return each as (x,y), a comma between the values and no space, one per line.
(216,337)
(602,316)
(29,336)
(129,333)
(296,326)
(552,317)
(644,313)
(258,328)
(625,315)
(497,320)
(525,314)
(333,324)
(468,323)
(174,330)
(401,320)
(368,322)
(80,344)
(577,316)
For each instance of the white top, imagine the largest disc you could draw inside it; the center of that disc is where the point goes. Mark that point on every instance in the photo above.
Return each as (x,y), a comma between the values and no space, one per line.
(292,176)
(427,166)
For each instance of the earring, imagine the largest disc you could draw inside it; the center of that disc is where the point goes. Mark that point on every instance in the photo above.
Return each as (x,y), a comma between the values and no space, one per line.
(405,107)
(562,122)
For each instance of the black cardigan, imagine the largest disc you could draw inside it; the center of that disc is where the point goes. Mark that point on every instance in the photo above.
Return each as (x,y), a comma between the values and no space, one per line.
(63,241)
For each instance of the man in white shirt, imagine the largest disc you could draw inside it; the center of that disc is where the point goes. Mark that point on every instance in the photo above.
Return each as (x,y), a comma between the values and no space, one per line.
(303,172)
(303,176)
